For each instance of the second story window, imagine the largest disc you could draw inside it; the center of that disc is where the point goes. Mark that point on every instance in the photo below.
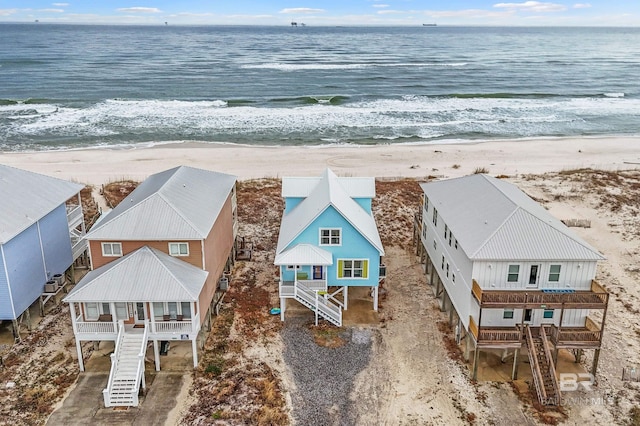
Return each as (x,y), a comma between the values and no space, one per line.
(179,249)
(435,216)
(514,271)
(554,273)
(330,237)
(112,249)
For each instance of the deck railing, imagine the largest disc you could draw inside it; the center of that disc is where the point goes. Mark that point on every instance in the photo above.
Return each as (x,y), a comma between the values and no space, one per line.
(473,328)
(74,216)
(596,298)
(175,327)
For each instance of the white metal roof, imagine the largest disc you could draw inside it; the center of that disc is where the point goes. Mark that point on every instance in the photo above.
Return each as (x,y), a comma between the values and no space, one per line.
(329,191)
(493,220)
(26,197)
(180,203)
(301,187)
(304,254)
(145,275)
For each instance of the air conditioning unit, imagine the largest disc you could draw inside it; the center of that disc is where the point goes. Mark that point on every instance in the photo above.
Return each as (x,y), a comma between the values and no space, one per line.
(59,278)
(223,283)
(51,286)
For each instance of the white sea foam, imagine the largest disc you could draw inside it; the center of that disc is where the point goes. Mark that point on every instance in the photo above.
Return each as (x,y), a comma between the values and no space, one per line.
(614,95)
(383,119)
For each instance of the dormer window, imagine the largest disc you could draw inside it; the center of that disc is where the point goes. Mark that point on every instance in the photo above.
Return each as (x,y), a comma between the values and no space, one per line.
(330,236)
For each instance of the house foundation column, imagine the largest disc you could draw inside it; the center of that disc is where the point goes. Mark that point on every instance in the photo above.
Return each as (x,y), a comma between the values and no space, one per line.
(514,370)
(375,298)
(156,354)
(594,366)
(283,307)
(467,347)
(79,350)
(346,297)
(475,363)
(194,348)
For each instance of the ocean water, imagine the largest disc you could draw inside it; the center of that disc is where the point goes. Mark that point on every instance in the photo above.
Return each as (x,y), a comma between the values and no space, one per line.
(71,86)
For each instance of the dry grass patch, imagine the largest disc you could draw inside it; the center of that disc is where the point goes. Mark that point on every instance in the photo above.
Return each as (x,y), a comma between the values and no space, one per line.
(115,192)
(327,335)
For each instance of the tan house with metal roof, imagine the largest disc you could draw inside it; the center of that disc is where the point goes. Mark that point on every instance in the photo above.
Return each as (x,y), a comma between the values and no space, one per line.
(511,275)
(158,260)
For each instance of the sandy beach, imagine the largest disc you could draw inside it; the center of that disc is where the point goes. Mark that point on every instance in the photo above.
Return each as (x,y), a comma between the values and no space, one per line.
(402,386)
(98,166)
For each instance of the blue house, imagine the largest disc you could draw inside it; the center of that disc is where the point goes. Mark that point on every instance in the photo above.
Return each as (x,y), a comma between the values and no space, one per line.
(41,229)
(328,242)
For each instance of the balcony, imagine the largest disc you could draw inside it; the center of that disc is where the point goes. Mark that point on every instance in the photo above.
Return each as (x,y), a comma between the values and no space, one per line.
(595,298)
(496,337)
(587,337)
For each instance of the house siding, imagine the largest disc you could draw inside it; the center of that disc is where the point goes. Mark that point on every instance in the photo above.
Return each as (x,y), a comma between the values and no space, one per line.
(575,275)
(56,242)
(6,311)
(459,264)
(25,267)
(217,247)
(98,260)
(354,246)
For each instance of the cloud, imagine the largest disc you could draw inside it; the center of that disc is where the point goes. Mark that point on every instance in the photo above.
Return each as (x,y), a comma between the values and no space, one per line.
(532,6)
(139,10)
(394,12)
(60,4)
(380,5)
(305,10)
(51,10)
(581,6)
(7,12)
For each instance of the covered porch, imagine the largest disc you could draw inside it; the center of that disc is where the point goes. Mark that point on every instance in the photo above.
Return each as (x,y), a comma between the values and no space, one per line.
(146,289)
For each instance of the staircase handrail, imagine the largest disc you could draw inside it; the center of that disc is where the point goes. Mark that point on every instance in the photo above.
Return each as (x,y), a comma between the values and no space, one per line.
(552,368)
(323,306)
(114,364)
(533,360)
(140,368)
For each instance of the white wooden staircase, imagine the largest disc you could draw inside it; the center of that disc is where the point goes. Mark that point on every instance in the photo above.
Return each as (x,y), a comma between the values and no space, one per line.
(314,298)
(127,368)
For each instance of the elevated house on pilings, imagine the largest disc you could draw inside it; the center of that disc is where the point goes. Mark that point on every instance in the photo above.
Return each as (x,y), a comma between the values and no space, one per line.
(328,242)
(160,264)
(511,276)
(41,230)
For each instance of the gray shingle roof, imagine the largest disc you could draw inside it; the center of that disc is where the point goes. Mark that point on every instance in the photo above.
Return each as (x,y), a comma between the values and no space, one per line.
(493,219)
(145,275)
(180,203)
(26,197)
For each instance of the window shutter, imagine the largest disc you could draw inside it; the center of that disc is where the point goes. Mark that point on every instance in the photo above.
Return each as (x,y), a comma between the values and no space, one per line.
(365,269)
(340,268)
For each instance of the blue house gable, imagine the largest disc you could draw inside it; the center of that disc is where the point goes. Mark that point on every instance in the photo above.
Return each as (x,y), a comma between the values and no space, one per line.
(328,238)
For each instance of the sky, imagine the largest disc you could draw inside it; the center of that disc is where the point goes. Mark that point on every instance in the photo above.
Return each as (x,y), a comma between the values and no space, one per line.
(325,12)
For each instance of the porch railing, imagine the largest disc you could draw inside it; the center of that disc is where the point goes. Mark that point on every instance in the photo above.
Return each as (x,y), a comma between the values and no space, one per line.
(176,327)
(95,327)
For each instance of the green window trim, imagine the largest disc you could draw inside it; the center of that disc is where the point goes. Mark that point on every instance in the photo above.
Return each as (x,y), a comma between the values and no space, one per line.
(350,266)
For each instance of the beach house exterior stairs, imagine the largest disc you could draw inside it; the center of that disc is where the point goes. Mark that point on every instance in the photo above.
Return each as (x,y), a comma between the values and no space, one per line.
(315,298)
(127,368)
(542,367)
